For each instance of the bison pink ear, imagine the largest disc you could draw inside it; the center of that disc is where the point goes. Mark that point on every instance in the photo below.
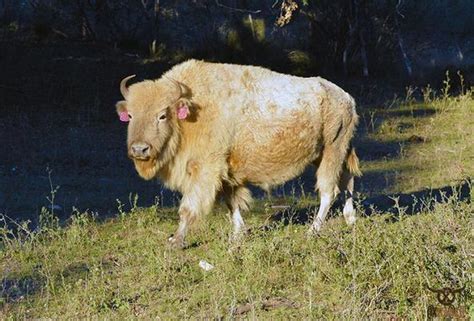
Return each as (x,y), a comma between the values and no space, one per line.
(121,107)
(123,115)
(183,111)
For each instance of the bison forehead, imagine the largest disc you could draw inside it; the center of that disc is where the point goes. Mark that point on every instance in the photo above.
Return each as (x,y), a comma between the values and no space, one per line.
(148,94)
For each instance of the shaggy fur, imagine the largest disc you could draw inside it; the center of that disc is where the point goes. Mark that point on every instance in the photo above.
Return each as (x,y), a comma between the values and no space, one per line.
(247,125)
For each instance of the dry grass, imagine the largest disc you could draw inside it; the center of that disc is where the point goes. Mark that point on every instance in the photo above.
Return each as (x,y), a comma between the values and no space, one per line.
(123,268)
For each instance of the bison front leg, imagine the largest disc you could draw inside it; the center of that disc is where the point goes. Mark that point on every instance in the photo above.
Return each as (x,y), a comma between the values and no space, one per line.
(186,218)
(192,206)
(196,202)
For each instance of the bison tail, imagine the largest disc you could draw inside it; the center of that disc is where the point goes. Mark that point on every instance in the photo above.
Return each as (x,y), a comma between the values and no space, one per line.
(352,163)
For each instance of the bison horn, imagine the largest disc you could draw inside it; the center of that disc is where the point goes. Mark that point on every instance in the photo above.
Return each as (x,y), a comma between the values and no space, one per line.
(123,86)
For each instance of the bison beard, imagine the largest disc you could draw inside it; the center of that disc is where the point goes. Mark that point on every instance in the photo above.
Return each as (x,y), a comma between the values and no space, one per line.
(254,126)
(146,168)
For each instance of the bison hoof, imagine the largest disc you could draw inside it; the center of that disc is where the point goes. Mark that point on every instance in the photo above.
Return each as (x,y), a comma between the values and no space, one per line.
(314,230)
(236,240)
(176,242)
(349,214)
(350,220)
(237,237)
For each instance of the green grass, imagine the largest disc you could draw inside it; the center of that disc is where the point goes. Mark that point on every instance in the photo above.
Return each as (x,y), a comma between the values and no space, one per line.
(434,141)
(122,268)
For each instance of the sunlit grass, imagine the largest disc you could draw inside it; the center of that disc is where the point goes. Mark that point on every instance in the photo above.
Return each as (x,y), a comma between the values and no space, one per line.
(123,268)
(433,140)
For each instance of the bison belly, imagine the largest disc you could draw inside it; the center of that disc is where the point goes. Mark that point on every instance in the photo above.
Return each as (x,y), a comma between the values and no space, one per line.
(270,153)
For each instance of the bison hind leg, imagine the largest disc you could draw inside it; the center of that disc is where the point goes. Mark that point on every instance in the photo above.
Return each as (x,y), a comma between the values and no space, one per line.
(327,178)
(346,185)
(238,199)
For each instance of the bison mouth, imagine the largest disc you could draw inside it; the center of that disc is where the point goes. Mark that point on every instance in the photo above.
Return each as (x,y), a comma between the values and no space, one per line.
(146,168)
(139,158)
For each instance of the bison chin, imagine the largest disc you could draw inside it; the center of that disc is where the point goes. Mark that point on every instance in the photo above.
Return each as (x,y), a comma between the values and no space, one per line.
(146,168)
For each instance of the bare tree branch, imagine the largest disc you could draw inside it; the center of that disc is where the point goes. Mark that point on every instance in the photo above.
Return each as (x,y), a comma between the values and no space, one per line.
(237,9)
(401,45)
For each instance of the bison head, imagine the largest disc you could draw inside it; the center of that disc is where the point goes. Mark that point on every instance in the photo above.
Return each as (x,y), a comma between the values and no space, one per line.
(154,111)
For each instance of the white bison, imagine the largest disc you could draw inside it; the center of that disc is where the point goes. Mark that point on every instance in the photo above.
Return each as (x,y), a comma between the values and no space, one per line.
(205,128)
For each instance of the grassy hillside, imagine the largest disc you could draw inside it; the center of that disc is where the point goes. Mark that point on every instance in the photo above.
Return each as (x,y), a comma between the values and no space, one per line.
(380,269)
(419,145)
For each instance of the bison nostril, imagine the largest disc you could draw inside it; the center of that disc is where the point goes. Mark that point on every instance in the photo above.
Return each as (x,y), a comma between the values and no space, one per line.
(140,150)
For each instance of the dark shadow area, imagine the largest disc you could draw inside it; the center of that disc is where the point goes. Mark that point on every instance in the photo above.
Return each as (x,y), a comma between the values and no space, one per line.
(371,150)
(59,131)
(416,202)
(370,121)
(416,112)
(397,204)
(15,290)
(375,182)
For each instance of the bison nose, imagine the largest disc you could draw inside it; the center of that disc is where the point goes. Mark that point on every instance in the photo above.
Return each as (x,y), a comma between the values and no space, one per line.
(140,150)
